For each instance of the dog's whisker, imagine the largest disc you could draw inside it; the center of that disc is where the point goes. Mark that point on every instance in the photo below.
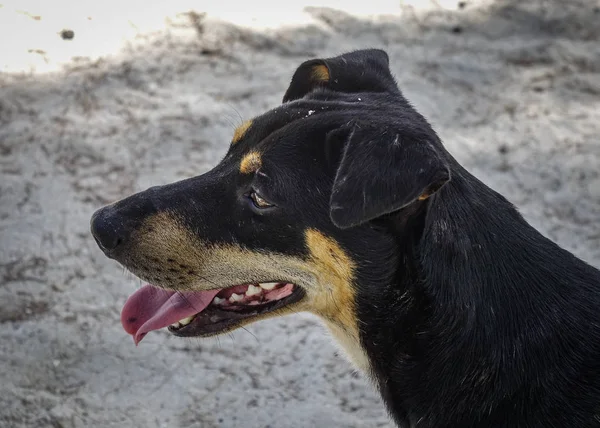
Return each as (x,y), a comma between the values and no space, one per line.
(236,111)
(252,334)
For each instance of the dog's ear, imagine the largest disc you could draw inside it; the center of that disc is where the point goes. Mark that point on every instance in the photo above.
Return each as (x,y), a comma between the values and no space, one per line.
(359,71)
(381,171)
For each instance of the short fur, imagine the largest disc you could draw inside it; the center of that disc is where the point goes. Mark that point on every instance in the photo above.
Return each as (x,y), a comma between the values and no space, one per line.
(461,312)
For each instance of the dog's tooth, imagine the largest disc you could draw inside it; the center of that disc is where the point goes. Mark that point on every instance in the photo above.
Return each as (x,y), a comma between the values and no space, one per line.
(218,300)
(175,325)
(253,290)
(186,321)
(236,297)
(268,285)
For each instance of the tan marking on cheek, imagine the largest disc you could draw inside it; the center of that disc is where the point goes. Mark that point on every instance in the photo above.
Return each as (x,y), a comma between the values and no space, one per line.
(250,163)
(229,265)
(334,299)
(335,271)
(240,131)
(320,73)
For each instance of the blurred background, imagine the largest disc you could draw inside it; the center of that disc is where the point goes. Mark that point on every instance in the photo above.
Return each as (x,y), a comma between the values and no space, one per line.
(102,99)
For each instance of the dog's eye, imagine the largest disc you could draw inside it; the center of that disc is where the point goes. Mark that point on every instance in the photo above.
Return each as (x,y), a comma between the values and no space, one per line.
(258,201)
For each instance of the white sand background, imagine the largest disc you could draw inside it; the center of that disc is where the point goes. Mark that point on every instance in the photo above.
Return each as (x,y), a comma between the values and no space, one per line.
(149,92)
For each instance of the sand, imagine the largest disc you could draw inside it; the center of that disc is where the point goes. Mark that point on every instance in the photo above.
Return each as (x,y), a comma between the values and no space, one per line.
(145,93)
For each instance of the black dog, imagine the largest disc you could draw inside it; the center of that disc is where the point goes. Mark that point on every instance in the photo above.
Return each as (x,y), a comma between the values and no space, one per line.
(343,202)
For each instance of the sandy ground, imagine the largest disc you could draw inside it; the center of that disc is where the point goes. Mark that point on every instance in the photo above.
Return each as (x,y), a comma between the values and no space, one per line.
(150,93)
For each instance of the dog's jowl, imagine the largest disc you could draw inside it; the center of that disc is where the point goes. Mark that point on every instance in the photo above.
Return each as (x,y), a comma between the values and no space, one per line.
(344,203)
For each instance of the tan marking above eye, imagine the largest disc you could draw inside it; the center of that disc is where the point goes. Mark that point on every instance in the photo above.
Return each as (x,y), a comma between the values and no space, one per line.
(320,73)
(240,131)
(250,163)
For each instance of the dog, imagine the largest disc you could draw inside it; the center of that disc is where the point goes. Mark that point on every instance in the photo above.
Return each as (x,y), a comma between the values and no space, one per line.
(343,202)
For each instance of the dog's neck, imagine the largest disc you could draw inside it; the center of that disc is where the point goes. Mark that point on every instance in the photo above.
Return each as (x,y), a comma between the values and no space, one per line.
(465,257)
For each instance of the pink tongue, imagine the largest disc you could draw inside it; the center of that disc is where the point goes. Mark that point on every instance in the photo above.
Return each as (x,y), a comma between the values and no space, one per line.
(151,308)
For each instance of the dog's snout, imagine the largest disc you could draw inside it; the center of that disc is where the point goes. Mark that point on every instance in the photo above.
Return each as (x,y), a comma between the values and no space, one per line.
(109,230)
(113,226)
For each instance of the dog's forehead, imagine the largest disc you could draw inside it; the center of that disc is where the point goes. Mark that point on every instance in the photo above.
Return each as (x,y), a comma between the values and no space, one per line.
(277,124)
(297,123)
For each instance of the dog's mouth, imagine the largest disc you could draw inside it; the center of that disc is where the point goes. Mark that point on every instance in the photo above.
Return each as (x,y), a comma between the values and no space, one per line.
(203,313)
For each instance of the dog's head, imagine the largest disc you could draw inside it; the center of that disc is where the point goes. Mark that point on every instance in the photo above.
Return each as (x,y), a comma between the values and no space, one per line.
(289,220)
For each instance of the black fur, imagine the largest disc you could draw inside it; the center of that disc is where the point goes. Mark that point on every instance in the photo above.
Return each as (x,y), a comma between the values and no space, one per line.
(469,316)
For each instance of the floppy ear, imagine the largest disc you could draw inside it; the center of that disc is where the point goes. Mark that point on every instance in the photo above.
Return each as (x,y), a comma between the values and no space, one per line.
(364,70)
(382,171)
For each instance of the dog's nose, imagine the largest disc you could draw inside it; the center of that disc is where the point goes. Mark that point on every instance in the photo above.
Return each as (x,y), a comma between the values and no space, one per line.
(109,230)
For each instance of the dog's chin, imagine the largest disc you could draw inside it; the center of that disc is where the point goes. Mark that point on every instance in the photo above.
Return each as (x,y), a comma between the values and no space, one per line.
(236,306)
